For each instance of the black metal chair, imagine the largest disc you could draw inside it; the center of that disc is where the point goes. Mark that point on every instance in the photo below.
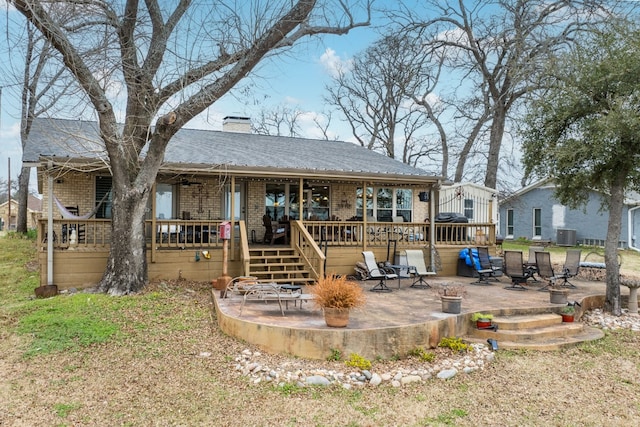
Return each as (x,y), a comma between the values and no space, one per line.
(484,268)
(516,270)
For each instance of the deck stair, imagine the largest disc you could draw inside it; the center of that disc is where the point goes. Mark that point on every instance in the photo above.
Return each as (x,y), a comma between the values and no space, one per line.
(543,331)
(278,265)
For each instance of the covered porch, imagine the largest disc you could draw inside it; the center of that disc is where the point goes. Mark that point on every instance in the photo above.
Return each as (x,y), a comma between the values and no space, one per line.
(193,249)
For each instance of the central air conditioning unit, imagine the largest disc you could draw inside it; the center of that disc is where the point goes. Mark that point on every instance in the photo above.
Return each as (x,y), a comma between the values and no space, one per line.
(566,237)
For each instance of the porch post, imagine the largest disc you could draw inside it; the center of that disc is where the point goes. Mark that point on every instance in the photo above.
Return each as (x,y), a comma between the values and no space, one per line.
(432,228)
(153,223)
(233,215)
(49,225)
(363,195)
(300,204)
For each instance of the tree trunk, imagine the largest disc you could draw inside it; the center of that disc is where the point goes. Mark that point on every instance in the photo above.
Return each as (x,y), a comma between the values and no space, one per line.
(495,142)
(126,270)
(616,201)
(23,199)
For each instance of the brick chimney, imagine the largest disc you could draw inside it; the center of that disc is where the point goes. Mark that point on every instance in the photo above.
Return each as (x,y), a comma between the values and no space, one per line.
(236,124)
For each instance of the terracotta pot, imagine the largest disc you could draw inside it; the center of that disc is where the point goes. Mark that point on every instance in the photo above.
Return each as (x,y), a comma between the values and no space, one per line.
(451,304)
(567,318)
(483,323)
(336,317)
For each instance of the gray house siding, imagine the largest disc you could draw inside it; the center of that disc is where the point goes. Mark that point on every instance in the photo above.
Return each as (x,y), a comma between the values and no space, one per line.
(590,224)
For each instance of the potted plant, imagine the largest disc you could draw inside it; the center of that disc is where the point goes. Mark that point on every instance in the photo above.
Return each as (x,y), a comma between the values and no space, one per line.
(451,296)
(337,296)
(567,313)
(483,320)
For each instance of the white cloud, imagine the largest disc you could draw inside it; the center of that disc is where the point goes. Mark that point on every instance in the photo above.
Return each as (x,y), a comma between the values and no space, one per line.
(333,64)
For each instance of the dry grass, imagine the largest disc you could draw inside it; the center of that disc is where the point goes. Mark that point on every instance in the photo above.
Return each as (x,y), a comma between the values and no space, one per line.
(337,292)
(171,366)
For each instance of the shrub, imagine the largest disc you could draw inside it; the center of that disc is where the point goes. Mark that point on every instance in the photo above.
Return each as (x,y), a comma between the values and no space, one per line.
(454,344)
(422,354)
(335,355)
(357,361)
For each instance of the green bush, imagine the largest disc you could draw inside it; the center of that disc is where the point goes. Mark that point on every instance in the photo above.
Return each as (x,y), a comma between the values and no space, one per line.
(422,354)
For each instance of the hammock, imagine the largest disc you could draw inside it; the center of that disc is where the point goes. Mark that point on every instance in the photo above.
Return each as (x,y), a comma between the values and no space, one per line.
(68,215)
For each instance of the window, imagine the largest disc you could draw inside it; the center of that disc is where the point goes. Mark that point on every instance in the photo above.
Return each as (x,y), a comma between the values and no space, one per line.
(103,187)
(510,222)
(404,204)
(468,208)
(537,222)
(283,200)
(317,203)
(386,203)
(165,201)
(369,202)
(275,197)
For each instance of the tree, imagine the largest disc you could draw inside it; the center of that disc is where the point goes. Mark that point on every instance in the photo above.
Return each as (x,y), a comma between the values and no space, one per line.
(495,51)
(172,64)
(39,65)
(585,132)
(374,93)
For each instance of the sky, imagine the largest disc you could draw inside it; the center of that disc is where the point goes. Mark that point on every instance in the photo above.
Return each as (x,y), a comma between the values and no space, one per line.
(296,80)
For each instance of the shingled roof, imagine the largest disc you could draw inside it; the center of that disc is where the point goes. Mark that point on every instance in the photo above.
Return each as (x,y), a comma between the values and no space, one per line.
(192,150)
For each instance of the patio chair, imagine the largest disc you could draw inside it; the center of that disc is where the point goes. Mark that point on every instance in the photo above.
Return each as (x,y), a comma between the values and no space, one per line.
(531,262)
(483,267)
(545,270)
(417,267)
(516,270)
(571,267)
(378,273)
(272,231)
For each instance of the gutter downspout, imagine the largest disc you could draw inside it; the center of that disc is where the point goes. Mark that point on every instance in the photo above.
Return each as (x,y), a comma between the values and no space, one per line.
(629,228)
(50,225)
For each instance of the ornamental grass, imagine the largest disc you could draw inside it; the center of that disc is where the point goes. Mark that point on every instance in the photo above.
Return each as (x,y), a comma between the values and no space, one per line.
(337,292)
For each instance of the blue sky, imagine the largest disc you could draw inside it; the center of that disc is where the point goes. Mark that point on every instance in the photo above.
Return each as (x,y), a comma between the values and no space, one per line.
(296,79)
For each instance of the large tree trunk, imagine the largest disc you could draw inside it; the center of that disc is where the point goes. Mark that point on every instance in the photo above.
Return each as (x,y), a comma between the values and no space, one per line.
(612,297)
(23,199)
(495,142)
(126,270)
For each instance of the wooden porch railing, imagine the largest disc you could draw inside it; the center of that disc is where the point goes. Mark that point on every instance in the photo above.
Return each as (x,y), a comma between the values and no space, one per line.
(181,234)
(303,242)
(96,233)
(245,257)
(355,233)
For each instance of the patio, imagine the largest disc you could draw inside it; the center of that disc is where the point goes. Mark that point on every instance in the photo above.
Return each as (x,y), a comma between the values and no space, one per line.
(391,324)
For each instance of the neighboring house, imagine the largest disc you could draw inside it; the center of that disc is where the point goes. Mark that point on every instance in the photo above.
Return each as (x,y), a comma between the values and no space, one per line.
(534,213)
(327,201)
(34,209)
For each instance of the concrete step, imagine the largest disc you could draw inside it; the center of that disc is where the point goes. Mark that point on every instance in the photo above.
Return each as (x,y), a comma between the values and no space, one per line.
(526,321)
(544,331)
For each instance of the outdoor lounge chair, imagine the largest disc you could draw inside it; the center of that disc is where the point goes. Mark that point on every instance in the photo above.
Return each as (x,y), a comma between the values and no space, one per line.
(378,273)
(483,267)
(516,270)
(417,268)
